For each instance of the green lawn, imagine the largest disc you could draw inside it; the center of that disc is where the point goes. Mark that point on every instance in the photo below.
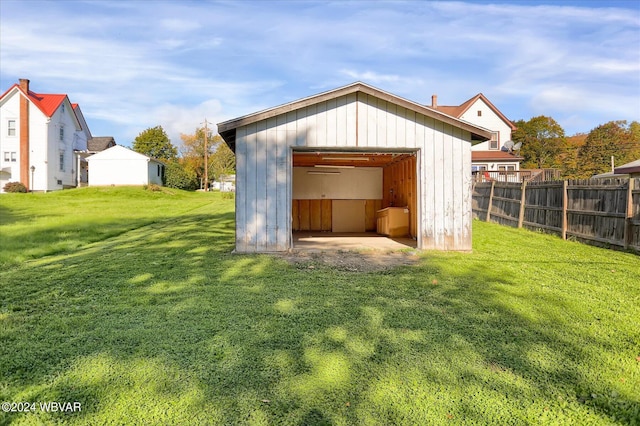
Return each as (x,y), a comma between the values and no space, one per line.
(131,303)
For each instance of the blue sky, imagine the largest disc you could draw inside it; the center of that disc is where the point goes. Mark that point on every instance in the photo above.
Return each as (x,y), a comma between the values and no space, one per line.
(137,64)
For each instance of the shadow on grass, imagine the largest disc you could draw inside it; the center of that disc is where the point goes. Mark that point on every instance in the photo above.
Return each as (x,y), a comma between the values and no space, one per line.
(162,324)
(8,216)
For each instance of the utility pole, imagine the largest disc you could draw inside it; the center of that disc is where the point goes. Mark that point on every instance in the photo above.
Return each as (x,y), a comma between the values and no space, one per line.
(206,158)
(613,164)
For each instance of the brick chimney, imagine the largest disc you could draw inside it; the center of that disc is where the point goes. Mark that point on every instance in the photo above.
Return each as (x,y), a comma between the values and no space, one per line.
(24,135)
(24,85)
(434,101)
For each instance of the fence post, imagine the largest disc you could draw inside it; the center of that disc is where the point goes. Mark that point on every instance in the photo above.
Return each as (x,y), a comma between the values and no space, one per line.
(493,183)
(628,225)
(565,200)
(522,200)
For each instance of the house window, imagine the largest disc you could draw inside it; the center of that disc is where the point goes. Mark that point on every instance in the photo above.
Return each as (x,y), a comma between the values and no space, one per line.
(479,113)
(61,161)
(478,167)
(62,108)
(506,168)
(11,127)
(6,156)
(13,157)
(61,133)
(494,143)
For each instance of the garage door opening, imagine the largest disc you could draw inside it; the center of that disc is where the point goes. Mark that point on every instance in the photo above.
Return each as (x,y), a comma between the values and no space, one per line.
(354,199)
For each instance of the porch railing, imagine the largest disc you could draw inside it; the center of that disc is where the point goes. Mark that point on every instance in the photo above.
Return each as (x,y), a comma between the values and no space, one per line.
(525,175)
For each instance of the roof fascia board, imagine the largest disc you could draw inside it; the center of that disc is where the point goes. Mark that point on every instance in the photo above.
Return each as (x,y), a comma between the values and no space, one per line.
(491,106)
(285,108)
(352,88)
(16,88)
(71,112)
(7,95)
(627,170)
(422,109)
(37,104)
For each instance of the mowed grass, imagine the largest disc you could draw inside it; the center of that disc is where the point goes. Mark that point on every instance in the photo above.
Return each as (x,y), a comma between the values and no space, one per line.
(36,225)
(155,321)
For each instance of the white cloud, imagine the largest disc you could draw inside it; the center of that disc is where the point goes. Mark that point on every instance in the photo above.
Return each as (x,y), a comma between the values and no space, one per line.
(179,25)
(133,65)
(370,76)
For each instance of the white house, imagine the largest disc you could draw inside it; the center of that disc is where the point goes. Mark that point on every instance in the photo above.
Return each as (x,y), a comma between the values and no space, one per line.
(336,161)
(121,166)
(41,137)
(491,155)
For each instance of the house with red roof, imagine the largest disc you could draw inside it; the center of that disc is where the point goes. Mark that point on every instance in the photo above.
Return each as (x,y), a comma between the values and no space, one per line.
(43,140)
(496,154)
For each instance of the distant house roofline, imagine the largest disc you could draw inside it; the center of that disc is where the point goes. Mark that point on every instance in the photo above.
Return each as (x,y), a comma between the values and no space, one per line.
(459,110)
(100,143)
(629,168)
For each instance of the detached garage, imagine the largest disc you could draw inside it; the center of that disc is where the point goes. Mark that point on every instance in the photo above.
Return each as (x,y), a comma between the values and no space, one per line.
(121,166)
(352,159)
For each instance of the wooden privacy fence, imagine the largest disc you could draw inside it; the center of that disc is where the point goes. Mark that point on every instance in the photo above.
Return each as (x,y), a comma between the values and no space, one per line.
(598,211)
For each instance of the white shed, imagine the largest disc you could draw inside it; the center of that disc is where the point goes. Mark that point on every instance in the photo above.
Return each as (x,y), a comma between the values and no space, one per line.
(334,161)
(121,166)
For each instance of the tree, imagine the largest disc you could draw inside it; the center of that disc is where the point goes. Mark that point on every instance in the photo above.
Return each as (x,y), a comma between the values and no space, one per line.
(542,140)
(192,151)
(569,156)
(180,177)
(155,143)
(222,161)
(614,139)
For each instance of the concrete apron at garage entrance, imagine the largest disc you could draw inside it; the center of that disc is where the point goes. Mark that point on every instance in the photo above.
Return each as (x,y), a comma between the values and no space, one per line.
(329,241)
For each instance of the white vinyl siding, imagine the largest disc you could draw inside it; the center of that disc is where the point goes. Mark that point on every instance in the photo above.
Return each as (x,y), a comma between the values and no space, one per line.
(11,127)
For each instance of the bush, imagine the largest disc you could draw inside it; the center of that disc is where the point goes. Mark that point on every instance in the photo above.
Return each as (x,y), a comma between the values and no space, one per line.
(153,187)
(176,176)
(15,187)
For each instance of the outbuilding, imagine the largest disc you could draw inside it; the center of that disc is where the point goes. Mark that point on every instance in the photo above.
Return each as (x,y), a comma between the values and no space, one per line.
(350,160)
(119,165)
(631,169)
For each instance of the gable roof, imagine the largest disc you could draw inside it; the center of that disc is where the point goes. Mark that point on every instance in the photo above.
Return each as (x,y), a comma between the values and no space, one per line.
(100,143)
(459,110)
(119,152)
(80,116)
(46,103)
(227,129)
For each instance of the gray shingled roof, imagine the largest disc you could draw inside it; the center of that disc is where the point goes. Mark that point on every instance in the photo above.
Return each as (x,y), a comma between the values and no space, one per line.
(100,143)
